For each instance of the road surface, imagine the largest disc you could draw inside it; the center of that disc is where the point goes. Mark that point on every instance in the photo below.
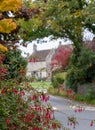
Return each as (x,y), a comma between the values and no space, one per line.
(65,108)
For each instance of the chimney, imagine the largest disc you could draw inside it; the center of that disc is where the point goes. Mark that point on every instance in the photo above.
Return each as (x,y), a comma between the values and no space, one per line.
(60,44)
(34,48)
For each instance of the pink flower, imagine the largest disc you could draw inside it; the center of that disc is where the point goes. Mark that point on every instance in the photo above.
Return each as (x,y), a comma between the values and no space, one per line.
(91,123)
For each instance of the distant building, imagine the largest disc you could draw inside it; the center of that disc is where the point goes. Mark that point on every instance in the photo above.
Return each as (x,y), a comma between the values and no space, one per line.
(39,63)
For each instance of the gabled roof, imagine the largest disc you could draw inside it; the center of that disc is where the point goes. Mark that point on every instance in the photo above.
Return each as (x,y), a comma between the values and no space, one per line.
(41,54)
(90,45)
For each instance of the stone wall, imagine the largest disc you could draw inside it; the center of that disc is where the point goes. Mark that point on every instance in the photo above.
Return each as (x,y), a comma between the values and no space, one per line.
(83,89)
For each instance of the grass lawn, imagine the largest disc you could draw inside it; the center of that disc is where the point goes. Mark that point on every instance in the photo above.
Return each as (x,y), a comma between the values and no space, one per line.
(42,85)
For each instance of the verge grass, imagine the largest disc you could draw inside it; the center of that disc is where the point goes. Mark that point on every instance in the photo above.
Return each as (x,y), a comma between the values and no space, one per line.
(77,97)
(39,84)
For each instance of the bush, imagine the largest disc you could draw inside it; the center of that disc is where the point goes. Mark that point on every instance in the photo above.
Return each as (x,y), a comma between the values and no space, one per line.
(82,70)
(23,109)
(80,98)
(74,77)
(15,64)
(90,95)
(58,79)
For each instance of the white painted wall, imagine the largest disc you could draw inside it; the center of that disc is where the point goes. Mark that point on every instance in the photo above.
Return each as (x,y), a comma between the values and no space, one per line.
(36,66)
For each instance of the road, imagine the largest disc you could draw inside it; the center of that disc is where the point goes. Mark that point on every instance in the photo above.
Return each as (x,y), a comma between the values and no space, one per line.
(65,108)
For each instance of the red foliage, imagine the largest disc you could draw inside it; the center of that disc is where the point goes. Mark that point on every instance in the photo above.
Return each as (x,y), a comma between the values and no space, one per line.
(3,69)
(61,57)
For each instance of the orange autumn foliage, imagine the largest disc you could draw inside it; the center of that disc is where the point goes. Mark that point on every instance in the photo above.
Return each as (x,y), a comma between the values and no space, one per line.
(7,25)
(3,48)
(10,5)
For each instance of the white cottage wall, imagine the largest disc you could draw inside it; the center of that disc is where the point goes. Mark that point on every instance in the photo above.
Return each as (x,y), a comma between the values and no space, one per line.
(39,67)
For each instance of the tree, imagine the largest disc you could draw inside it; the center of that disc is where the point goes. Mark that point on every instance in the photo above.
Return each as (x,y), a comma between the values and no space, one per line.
(20,108)
(65,19)
(61,57)
(9,16)
(82,71)
(8,25)
(59,18)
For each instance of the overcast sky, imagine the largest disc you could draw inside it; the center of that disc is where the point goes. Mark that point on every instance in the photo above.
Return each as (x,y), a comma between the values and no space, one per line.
(50,44)
(42,46)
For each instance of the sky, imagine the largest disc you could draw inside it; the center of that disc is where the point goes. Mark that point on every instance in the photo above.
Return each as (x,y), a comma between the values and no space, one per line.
(50,44)
(42,46)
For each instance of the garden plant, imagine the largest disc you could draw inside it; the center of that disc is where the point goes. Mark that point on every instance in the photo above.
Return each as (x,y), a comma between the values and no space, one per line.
(23,108)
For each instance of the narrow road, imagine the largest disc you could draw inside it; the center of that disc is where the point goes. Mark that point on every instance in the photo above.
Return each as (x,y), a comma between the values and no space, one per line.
(65,108)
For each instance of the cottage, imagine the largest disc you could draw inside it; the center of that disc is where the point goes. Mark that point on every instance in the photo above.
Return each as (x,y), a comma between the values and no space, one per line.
(39,63)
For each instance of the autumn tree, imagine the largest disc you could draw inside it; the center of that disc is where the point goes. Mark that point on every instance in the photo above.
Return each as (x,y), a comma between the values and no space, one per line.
(8,26)
(59,18)
(65,19)
(18,110)
(61,57)
(9,16)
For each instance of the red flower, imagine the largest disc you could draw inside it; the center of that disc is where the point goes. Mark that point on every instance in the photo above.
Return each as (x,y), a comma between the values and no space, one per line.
(7,121)
(48,115)
(54,125)
(2,91)
(15,91)
(32,116)
(43,97)
(22,93)
(28,116)
(11,127)
(72,97)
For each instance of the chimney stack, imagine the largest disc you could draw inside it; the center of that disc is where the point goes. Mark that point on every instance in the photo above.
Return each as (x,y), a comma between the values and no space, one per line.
(34,48)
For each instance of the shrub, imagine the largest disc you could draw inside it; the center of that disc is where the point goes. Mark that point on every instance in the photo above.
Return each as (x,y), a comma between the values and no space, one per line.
(16,65)
(90,95)
(82,70)
(23,109)
(58,78)
(80,98)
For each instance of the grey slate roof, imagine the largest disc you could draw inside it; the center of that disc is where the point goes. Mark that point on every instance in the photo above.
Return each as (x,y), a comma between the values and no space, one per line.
(41,54)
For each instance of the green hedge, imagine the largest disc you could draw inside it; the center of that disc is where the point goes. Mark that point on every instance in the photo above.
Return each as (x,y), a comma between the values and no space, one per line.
(81,70)
(58,79)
